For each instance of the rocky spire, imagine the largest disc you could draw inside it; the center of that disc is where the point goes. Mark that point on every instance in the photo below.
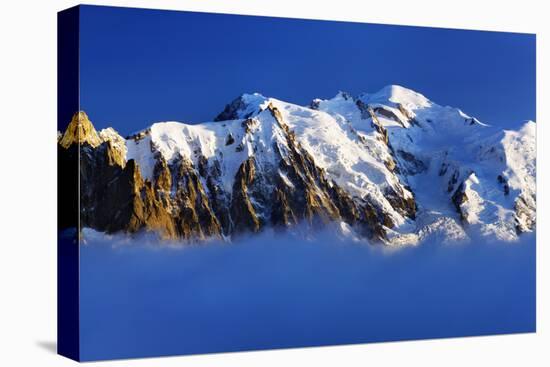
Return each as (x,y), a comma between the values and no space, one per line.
(80,131)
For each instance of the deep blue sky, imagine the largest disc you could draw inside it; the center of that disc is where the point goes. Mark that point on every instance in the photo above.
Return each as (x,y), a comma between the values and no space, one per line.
(141,66)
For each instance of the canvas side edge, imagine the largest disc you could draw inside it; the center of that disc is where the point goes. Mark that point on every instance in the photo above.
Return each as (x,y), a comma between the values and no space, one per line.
(68,315)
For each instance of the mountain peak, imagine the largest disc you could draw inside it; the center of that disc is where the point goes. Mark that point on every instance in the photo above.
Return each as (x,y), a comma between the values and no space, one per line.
(242,107)
(393,165)
(253,96)
(396,94)
(80,131)
(343,95)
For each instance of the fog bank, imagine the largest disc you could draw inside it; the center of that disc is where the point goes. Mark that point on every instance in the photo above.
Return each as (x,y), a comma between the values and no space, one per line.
(277,290)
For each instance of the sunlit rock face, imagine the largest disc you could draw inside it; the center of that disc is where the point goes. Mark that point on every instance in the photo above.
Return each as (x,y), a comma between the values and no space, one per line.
(80,131)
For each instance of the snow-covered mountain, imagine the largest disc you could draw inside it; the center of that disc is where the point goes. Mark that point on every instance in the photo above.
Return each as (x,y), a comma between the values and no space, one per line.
(390,167)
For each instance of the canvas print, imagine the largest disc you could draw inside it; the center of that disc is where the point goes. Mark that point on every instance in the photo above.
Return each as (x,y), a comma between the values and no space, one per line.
(231,183)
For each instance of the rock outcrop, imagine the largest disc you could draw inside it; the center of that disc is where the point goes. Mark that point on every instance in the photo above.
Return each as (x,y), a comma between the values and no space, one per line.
(80,131)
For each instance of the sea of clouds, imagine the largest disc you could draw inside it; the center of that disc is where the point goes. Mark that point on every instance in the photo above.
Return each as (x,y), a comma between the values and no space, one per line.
(276,290)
